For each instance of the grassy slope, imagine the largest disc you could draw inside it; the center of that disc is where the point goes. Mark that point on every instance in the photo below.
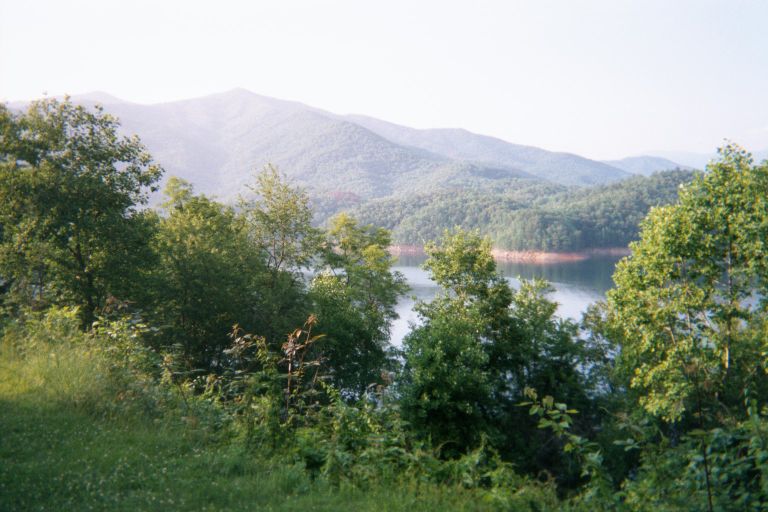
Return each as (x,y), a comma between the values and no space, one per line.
(57,452)
(52,458)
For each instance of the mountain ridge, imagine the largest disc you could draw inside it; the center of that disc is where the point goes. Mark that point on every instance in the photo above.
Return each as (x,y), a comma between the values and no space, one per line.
(217,142)
(465,145)
(645,165)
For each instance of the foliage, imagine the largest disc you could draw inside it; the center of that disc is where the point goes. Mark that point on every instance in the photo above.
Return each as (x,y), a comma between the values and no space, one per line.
(557,417)
(717,469)
(354,299)
(205,277)
(478,348)
(688,318)
(104,373)
(279,220)
(69,186)
(448,387)
(113,341)
(530,216)
(58,451)
(280,231)
(689,303)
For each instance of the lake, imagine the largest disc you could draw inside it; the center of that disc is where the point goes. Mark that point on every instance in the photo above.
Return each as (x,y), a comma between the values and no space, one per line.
(577,284)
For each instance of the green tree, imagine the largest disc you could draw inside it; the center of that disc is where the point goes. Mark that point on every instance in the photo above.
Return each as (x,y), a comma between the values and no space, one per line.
(280,222)
(448,384)
(69,191)
(689,306)
(205,275)
(479,346)
(279,225)
(355,300)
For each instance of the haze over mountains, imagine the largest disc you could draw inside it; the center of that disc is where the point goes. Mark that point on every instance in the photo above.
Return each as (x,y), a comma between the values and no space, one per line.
(414,182)
(561,168)
(700,160)
(646,165)
(218,141)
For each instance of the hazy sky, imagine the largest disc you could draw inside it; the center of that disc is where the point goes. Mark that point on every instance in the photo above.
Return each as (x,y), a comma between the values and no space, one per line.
(600,78)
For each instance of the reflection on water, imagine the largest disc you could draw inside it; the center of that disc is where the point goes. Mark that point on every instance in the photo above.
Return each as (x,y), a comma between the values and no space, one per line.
(577,284)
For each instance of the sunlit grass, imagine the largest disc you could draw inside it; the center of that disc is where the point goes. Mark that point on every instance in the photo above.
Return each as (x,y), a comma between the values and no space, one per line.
(58,451)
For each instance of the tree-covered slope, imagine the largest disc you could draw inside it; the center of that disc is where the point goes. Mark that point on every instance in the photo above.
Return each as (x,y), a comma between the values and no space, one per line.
(533,216)
(561,168)
(217,142)
(415,182)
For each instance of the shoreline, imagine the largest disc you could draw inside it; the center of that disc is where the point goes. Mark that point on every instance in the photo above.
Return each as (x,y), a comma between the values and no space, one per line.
(525,256)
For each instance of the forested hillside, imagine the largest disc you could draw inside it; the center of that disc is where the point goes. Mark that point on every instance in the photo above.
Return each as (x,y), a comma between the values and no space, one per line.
(561,168)
(530,216)
(202,356)
(415,183)
(217,142)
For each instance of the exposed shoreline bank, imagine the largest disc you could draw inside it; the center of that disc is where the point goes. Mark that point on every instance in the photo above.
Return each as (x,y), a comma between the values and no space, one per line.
(526,256)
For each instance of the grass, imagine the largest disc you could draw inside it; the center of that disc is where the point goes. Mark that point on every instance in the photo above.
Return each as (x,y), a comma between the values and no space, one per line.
(60,451)
(54,458)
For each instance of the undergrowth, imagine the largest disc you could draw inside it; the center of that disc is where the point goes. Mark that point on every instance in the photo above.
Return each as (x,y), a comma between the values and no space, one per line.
(96,421)
(99,421)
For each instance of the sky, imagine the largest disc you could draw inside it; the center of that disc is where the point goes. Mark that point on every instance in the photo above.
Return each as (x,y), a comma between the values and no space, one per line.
(604,79)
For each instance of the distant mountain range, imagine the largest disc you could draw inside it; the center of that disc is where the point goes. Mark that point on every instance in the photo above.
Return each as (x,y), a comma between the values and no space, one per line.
(646,165)
(560,168)
(700,160)
(414,182)
(218,141)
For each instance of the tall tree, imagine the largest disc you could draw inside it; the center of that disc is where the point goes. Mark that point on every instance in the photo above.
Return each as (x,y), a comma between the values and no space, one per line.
(354,300)
(479,345)
(69,191)
(279,224)
(280,221)
(205,275)
(690,303)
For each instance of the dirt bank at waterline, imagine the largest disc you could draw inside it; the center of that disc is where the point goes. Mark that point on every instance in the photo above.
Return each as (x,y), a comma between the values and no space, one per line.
(526,256)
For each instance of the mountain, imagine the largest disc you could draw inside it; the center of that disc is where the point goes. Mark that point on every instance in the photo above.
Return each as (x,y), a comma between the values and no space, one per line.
(539,217)
(416,182)
(645,165)
(560,168)
(700,160)
(218,141)
(99,97)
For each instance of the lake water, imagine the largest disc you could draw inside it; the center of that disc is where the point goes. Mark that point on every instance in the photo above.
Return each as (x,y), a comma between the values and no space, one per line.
(577,284)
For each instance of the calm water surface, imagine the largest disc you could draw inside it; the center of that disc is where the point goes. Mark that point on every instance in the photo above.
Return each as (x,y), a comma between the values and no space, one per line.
(577,284)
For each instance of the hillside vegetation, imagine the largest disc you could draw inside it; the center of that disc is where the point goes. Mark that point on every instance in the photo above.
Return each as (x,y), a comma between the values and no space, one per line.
(217,142)
(428,180)
(560,168)
(530,216)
